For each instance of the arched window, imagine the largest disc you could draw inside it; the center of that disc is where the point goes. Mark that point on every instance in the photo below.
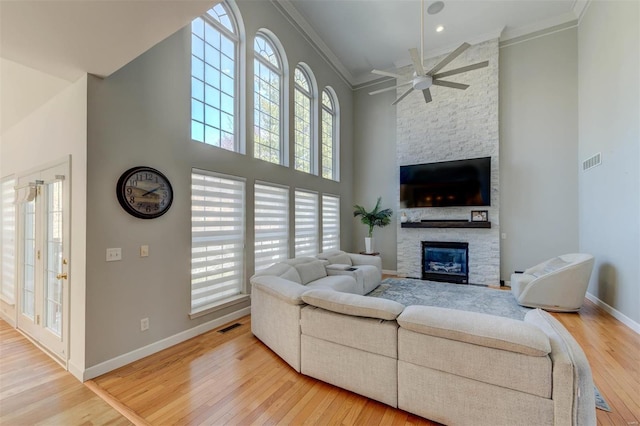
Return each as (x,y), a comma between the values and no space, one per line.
(215,78)
(268,70)
(330,132)
(304,126)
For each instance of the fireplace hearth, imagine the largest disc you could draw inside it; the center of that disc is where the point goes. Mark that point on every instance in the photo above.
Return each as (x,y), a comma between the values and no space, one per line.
(445,261)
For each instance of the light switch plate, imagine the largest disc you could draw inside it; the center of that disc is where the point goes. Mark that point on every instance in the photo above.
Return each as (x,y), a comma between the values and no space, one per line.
(114,254)
(144,251)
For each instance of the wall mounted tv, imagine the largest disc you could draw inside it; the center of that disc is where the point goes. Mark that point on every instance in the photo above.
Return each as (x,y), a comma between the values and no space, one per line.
(446,184)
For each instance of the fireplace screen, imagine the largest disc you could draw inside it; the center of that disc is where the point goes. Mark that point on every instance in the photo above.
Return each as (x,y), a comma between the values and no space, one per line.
(445,261)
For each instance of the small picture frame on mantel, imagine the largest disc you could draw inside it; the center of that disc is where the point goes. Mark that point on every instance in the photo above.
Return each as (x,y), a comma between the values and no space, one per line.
(479,215)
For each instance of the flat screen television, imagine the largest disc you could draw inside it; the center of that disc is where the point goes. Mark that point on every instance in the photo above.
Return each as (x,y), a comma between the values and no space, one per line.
(446,184)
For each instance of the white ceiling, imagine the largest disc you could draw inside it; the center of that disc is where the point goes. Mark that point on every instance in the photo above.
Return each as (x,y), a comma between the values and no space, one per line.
(72,37)
(69,38)
(368,34)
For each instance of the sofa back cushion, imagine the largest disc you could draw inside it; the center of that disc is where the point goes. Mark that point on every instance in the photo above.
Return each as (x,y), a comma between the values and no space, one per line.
(311,271)
(353,304)
(341,259)
(475,328)
(282,270)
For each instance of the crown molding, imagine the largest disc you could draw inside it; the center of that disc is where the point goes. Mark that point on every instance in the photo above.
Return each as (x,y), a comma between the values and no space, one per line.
(539,27)
(579,8)
(302,25)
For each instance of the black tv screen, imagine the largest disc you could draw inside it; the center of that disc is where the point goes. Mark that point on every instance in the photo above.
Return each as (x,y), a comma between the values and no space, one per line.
(446,184)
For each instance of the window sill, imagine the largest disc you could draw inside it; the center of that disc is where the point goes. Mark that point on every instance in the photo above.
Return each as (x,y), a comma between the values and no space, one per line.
(218,306)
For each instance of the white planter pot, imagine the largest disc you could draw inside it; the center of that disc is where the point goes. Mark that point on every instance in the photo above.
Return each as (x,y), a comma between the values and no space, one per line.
(368,244)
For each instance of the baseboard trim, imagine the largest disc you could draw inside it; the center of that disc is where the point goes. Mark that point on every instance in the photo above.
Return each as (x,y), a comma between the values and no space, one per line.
(615,313)
(128,358)
(389,272)
(75,371)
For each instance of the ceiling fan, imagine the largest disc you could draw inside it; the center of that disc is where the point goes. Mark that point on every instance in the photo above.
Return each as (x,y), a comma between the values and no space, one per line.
(423,80)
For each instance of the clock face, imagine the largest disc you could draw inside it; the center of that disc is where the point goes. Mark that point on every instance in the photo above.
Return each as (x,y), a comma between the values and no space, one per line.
(144,192)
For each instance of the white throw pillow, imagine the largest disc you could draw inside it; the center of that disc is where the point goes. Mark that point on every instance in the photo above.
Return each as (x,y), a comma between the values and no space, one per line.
(311,271)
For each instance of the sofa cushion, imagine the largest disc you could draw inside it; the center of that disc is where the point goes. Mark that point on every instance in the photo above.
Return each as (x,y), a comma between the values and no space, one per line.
(285,290)
(341,283)
(343,259)
(353,304)
(479,329)
(311,271)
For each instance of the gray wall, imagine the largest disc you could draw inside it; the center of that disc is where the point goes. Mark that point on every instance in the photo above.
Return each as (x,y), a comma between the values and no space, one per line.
(609,97)
(375,169)
(141,116)
(538,150)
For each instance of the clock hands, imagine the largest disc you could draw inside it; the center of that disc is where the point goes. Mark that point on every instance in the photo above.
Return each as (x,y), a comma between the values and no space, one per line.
(151,192)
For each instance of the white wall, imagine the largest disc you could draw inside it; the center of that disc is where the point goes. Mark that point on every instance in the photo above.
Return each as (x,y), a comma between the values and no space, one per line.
(375,170)
(609,116)
(538,149)
(50,131)
(140,115)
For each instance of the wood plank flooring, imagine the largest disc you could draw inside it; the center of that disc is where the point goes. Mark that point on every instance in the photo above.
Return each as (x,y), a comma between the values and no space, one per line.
(35,390)
(233,378)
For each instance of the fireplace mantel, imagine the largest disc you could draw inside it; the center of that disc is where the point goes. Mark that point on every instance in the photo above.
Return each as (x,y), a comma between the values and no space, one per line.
(446,224)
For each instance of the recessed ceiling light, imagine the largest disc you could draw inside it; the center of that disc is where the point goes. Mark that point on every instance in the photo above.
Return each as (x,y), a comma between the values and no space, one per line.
(435,7)
(439,28)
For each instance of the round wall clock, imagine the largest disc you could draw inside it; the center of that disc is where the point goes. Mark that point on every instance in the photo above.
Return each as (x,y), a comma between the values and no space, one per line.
(144,192)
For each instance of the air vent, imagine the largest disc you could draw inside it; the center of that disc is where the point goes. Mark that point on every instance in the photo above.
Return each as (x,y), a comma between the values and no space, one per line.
(591,162)
(229,328)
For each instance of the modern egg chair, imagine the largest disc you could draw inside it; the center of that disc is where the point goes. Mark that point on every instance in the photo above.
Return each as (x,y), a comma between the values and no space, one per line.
(558,284)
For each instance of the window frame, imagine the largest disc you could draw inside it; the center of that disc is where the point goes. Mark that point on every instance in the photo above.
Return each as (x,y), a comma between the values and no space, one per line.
(236,38)
(282,72)
(312,95)
(336,240)
(284,191)
(298,221)
(241,294)
(333,111)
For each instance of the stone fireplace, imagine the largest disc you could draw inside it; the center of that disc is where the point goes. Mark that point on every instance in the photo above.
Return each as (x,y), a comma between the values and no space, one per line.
(456,125)
(445,261)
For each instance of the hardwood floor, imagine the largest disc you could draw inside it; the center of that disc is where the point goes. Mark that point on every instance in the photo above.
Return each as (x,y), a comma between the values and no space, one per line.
(233,378)
(34,389)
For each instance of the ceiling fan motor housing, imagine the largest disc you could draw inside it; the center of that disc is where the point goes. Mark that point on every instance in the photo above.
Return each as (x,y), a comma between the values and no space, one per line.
(422,82)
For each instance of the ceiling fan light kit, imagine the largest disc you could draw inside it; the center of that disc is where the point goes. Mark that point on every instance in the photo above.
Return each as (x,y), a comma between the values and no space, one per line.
(424,80)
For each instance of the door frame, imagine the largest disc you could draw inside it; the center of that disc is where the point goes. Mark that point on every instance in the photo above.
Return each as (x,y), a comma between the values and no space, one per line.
(64,162)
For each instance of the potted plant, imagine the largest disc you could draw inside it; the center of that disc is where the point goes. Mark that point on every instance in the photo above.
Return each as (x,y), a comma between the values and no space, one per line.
(373,218)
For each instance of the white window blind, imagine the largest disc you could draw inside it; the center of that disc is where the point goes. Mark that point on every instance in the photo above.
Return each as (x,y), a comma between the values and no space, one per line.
(330,222)
(306,223)
(8,240)
(271,224)
(217,238)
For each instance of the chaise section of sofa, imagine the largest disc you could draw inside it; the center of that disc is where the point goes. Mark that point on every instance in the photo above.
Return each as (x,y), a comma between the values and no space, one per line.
(460,367)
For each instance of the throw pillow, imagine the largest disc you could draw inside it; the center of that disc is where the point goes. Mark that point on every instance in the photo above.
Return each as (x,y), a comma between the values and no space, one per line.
(311,271)
(343,259)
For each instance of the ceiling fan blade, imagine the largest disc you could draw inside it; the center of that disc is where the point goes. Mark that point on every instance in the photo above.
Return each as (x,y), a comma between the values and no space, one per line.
(450,84)
(450,57)
(375,92)
(461,70)
(386,73)
(417,62)
(427,95)
(404,95)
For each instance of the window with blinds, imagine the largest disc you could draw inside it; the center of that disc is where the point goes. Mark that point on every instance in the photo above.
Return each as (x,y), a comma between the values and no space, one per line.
(217,238)
(306,223)
(330,222)
(8,236)
(271,224)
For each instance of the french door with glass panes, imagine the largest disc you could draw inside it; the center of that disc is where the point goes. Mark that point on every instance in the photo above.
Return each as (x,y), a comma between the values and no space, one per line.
(42,207)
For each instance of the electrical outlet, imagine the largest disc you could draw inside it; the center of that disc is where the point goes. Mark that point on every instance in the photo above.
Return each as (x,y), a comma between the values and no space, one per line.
(114,254)
(144,324)
(144,251)
(503,235)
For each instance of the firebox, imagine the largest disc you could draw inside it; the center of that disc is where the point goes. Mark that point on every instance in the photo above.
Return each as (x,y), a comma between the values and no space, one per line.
(445,261)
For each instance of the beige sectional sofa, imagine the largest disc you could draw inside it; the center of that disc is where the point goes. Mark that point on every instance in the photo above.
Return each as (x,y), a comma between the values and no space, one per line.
(451,366)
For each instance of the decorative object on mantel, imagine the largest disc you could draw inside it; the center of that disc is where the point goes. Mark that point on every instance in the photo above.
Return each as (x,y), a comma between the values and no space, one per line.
(479,215)
(403,218)
(373,218)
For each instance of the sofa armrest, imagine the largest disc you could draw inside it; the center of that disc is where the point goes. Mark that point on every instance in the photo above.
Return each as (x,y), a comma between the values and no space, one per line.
(477,329)
(288,291)
(363,259)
